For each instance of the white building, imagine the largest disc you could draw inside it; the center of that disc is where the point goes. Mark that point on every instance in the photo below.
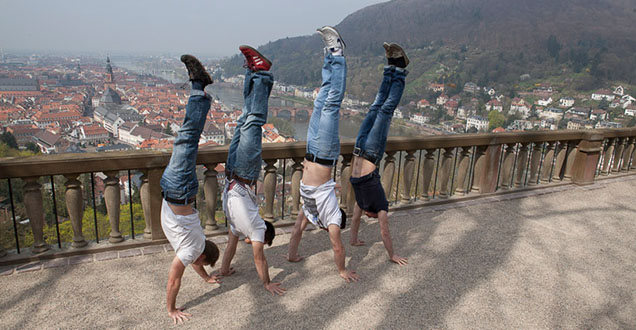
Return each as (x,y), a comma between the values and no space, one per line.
(603,94)
(420,118)
(545,102)
(481,124)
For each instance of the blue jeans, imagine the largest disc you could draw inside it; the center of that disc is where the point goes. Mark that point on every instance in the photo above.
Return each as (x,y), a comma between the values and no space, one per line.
(371,140)
(244,156)
(323,140)
(179,180)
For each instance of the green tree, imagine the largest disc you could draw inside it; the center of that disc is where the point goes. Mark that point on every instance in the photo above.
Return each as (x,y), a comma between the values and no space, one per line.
(495,119)
(284,126)
(168,130)
(32,147)
(8,139)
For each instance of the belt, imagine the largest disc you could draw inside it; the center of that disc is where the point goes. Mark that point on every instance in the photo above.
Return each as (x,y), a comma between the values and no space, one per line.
(321,161)
(179,201)
(361,153)
(233,176)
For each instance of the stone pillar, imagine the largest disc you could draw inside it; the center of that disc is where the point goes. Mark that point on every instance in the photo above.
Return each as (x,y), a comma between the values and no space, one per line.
(269,187)
(522,162)
(569,159)
(478,169)
(586,159)
(627,155)
(560,160)
(427,172)
(490,169)
(446,167)
(112,197)
(2,252)
(618,155)
(388,173)
(546,169)
(154,201)
(210,191)
(345,185)
(75,207)
(607,160)
(144,193)
(407,182)
(35,212)
(535,163)
(507,166)
(462,170)
(297,175)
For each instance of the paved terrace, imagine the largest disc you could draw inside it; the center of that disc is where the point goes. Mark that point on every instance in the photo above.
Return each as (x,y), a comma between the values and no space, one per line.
(555,258)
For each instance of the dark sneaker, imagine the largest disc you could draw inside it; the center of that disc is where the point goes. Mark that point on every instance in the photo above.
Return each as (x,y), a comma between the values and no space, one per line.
(343,223)
(196,71)
(398,54)
(331,37)
(255,61)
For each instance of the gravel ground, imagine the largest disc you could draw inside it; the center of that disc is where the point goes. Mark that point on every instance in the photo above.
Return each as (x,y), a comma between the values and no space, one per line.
(564,260)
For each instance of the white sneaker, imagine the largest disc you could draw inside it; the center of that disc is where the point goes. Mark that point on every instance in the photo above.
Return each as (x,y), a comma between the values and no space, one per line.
(331,38)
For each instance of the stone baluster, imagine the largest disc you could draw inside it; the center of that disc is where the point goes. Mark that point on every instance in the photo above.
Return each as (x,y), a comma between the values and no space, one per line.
(507,166)
(427,172)
(446,167)
(546,169)
(211,193)
(627,155)
(269,187)
(112,197)
(75,207)
(407,182)
(2,252)
(462,170)
(535,163)
(573,148)
(345,185)
(144,193)
(522,163)
(607,156)
(388,173)
(478,170)
(35,211)
(560,160)
(586,159)
(618,154)
(297,175)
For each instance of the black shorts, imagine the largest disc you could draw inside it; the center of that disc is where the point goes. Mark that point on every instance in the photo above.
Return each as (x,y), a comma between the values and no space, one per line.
(369,193)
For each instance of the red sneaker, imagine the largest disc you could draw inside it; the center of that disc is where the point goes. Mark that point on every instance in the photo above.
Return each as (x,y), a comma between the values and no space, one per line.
(255,60)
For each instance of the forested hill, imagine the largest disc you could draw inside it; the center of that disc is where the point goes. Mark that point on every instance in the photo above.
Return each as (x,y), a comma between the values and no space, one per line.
(489,40)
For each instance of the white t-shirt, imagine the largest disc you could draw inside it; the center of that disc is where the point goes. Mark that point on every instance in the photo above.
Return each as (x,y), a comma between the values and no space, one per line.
(184,232)
(320,204)
(241,210)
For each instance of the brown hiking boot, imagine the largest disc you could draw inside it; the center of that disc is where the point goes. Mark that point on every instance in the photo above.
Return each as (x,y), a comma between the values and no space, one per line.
(196,71)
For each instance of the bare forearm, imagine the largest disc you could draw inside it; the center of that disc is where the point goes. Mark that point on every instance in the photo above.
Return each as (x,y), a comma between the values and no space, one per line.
(172,292)
(339,258)
(230,250)
(201,271)
(385,233)
(262,269)
(297,234)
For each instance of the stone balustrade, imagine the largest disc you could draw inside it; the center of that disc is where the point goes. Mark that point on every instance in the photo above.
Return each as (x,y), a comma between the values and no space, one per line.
(425,168)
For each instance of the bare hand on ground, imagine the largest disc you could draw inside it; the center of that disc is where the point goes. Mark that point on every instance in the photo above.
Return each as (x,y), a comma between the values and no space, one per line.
(349,276)
(178,316)
(275,288)
(226,274)
(214,279)
(357,243)
(294,259)
(399,260)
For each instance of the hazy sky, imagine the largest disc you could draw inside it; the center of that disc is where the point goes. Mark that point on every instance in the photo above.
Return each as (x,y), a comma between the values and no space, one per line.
(212,27)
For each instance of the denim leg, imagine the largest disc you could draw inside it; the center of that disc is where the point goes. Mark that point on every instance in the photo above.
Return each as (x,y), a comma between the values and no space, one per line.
(319,103)
(376,140)
(179,180)
(326,144)
(248,152)
(383,93)
(236,138)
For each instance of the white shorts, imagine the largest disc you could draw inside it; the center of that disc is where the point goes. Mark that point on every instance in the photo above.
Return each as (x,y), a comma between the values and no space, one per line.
(241,212)
(320,204)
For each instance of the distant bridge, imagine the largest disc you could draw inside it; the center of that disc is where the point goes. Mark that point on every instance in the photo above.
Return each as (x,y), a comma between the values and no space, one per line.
(291,113)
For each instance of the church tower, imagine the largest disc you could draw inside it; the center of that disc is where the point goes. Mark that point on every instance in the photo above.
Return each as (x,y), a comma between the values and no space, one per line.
(109,82)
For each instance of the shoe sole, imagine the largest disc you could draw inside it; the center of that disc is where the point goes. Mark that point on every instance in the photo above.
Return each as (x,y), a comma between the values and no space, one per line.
(332,29)
(246,47)
(186,57)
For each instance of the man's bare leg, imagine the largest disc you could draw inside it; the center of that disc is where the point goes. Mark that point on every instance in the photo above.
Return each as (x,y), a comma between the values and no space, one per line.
(339,254)
(297,234)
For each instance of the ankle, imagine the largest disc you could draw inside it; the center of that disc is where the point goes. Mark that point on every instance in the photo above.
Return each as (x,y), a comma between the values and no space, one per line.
(198,85)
